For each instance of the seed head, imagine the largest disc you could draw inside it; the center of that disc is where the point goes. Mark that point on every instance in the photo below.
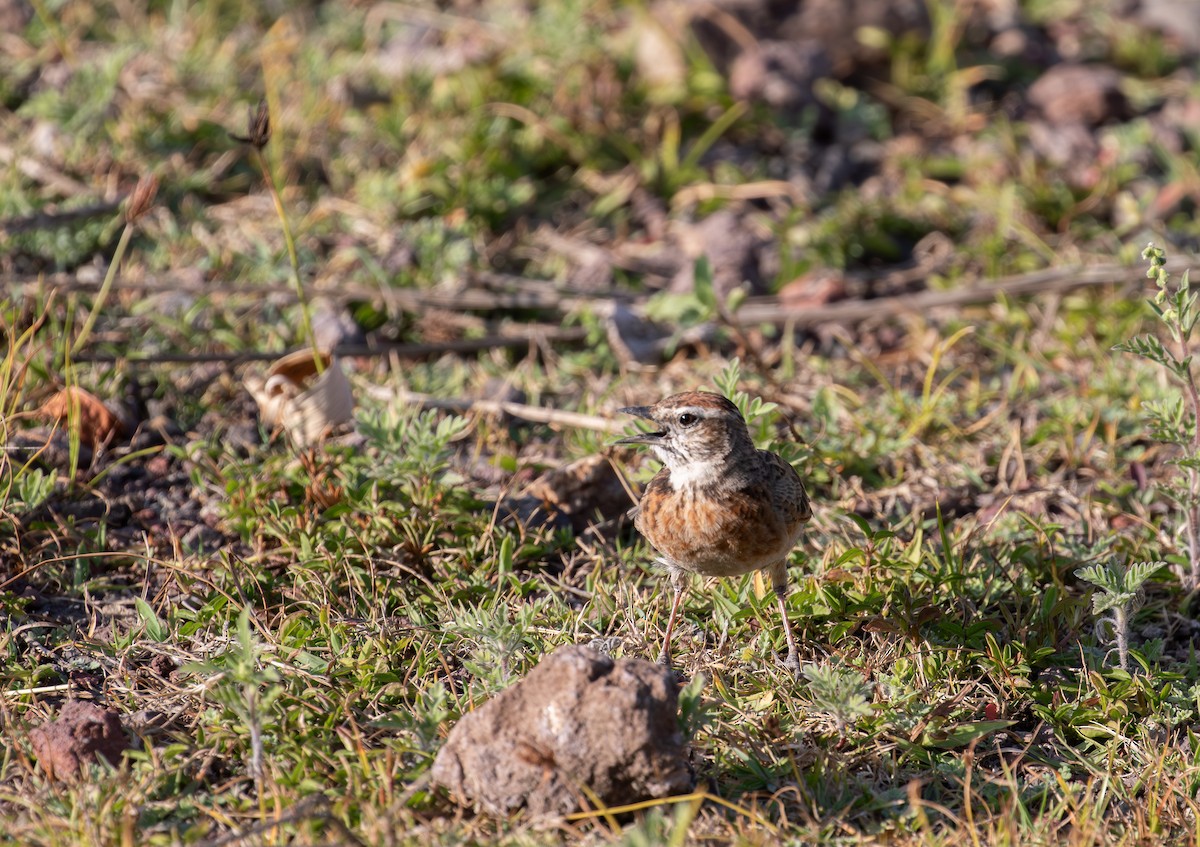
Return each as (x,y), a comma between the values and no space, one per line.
(141,198)
(258,131)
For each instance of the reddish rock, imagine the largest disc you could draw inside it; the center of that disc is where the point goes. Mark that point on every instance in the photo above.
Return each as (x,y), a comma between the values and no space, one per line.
(83,730)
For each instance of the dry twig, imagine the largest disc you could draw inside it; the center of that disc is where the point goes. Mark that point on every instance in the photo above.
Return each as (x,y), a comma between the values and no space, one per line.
(535,414)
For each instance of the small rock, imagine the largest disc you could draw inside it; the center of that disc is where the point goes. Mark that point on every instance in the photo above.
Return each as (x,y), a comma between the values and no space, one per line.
(83,730)
(1079,94)
(816,288)
(158,466)
(580,722)
(731,245)
(780,73)
(582,492)
(201,539)
(164,666)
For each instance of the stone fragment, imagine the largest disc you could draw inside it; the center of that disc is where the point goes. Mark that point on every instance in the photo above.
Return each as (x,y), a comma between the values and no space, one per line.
(579,725)
(66,746)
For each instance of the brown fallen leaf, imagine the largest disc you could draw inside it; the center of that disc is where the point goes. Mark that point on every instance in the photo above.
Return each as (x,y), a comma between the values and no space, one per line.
(815,288)
(97,424)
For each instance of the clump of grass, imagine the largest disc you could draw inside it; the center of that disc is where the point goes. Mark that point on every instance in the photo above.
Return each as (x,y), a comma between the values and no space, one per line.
(1175,422)
(23,486)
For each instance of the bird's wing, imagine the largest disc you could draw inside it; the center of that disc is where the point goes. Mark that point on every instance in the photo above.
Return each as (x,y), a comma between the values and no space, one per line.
(787,488)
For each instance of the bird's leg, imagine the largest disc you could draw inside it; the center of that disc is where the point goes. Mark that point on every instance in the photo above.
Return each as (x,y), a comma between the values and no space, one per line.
(678,578)
(779,581)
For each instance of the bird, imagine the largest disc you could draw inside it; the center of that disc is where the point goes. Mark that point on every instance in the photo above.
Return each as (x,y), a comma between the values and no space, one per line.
(719,506)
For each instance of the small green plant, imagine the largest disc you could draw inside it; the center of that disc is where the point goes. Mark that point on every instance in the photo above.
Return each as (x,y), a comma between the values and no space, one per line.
(1175,422)
(840,694)
(1120,593)
(692,310)
(245,687)
(757,412)
(413,449)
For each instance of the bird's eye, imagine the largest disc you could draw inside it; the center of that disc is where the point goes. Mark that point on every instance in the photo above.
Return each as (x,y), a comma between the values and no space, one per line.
(687,419)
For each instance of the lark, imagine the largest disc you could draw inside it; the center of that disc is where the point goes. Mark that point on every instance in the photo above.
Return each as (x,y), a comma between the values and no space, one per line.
(719,506)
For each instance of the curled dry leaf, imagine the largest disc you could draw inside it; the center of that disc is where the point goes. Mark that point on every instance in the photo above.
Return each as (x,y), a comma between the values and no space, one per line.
(304,403)
(97,425)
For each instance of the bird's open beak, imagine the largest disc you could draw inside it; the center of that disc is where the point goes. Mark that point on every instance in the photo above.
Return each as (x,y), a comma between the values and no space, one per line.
(641,437)
(639,411)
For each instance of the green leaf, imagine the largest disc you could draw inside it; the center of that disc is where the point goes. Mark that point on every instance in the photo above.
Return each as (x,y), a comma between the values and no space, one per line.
(155,629)
(1148,347)
(244,636)
(861,523)
(735,300)
(727,380)
(963,734)
(703,284)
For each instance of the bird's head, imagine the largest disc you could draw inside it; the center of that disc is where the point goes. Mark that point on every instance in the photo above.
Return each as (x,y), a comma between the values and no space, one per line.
(696,433)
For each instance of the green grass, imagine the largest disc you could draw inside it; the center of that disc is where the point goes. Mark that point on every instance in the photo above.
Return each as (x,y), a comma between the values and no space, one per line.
(291,677)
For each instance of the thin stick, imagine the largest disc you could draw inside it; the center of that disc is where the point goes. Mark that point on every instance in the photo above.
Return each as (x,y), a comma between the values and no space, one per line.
(526,295)
(404,351)
(41,689)
(535,414)
(769,310)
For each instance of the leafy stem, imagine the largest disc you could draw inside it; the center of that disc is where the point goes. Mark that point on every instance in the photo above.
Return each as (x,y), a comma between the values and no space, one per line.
(1120,593)
(1175,304)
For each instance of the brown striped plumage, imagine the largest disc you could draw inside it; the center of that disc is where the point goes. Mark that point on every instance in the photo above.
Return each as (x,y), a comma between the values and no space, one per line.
(719,506)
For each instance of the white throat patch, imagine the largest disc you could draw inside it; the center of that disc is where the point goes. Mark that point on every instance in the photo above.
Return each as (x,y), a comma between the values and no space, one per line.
(689,474)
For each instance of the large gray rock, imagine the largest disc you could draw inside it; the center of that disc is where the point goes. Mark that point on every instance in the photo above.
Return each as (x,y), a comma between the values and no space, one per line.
(579,719)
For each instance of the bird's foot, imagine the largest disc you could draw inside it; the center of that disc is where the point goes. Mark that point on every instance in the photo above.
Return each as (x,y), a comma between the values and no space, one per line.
(677,678)
(792,663)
